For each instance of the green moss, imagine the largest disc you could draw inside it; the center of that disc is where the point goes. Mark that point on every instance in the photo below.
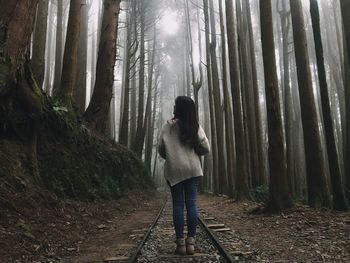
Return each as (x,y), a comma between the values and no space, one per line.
(75,164)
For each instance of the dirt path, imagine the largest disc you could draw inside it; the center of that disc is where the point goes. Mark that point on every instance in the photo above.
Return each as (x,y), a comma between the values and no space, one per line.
(91,232)
(76,231)
(299,235)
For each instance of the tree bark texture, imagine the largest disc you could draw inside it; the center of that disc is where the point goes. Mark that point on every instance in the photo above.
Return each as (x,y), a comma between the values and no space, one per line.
(97,112)
(148,112)
(257,121)
(69,68)
(19,93)
(128,58)
(58,50)
(279,197)
(288,109)
(247,90)
(227,109)
(139,138)
(318,189)
(49,51)
(150,129)
(215,171)
(219,114)
(80,90)
(345,10)
(39,42)
(339,199)
(242,188)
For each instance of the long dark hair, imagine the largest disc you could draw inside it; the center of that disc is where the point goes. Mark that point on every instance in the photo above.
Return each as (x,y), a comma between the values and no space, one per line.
(185,112)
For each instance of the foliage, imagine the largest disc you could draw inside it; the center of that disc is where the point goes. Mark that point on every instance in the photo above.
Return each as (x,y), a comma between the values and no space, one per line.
(260,194)
(75,163)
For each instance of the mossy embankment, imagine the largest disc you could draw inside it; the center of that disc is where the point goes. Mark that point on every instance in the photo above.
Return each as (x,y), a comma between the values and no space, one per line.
(73,162)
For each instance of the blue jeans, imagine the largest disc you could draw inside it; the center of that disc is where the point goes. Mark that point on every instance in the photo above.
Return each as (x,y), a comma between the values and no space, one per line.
(182,193)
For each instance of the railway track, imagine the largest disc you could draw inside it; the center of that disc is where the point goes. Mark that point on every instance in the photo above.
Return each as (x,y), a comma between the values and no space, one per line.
(214,242)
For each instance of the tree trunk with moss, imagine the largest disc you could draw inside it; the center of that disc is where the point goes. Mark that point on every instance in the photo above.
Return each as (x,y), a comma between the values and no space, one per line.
(97,112)
(21,99)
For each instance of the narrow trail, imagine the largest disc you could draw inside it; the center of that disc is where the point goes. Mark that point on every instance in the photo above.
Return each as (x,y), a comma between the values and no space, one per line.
(212,242)
(160,245)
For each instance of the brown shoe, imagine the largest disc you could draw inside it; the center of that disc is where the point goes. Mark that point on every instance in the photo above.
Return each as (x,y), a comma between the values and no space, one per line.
(180,246)
(190,246)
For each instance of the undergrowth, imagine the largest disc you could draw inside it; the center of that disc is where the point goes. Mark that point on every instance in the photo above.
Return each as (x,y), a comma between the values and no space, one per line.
(73,162)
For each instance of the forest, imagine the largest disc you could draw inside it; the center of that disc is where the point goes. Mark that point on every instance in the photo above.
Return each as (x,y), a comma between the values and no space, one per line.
(86,86)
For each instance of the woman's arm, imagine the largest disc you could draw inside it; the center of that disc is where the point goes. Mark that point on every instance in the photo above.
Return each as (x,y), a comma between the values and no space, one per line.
(202,147)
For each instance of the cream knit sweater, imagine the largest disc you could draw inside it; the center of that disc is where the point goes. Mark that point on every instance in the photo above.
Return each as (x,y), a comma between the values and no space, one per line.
(181,160)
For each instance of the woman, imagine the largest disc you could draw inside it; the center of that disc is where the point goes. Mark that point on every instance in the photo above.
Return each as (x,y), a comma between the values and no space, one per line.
(181,143)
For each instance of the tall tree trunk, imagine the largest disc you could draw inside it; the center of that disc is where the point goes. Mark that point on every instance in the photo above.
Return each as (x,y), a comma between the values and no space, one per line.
(151,126)
(345,10)
(93,63)
(219,118)
(138,145)
(288,109)
(208,159)
(241,167)
(133,106)
(39,42)
(245,84)
(49,48)
(69,69)
(128,58)
(247,91)
(59,44)
(339,199)
(97,112)
(80,91)
(299,145)
(196,83)
(257,121)
(318,189)
(279,197)
(227,109)
(148,112)
(211,101)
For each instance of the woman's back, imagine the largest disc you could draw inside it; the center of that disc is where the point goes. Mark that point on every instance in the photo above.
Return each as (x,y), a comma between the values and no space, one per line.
(182,159)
